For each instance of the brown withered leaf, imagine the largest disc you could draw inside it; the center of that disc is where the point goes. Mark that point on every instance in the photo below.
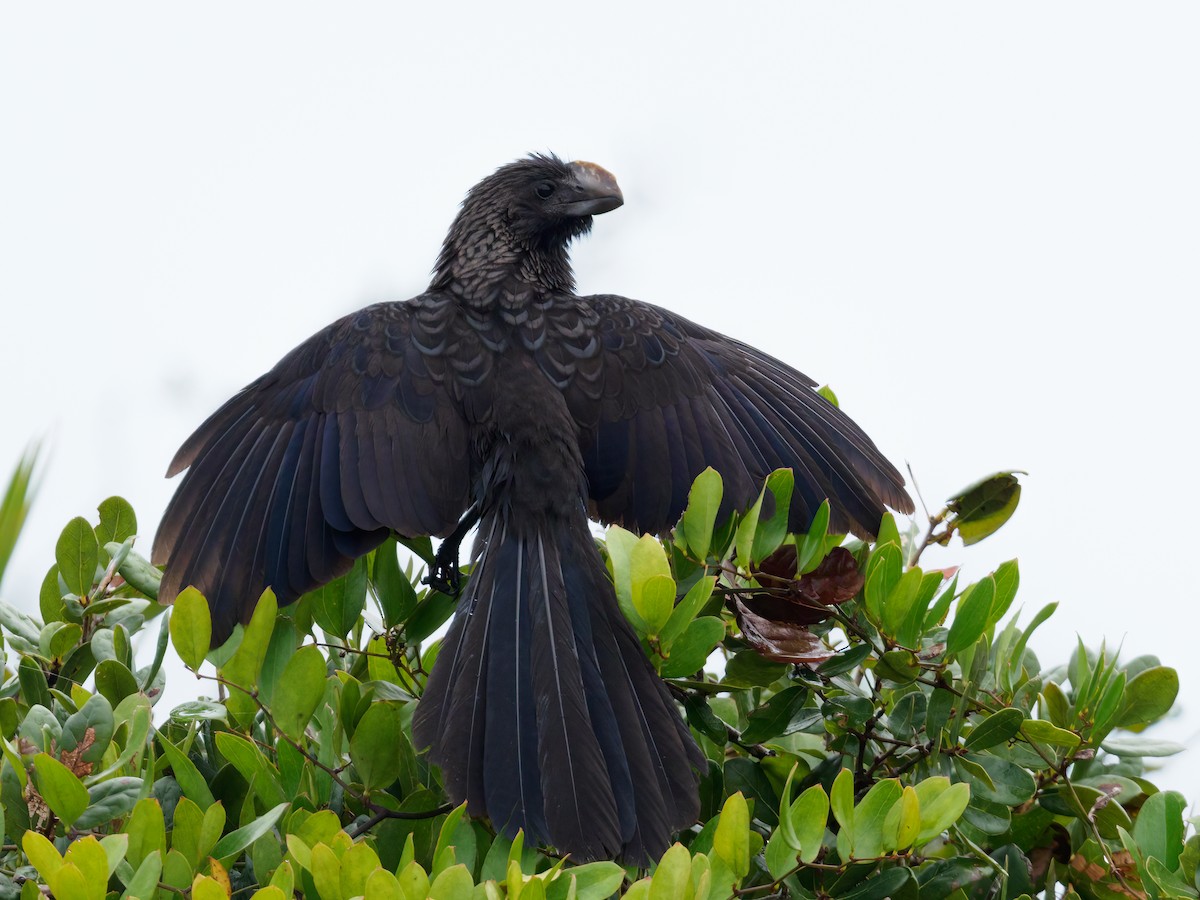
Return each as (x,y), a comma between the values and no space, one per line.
(40,817)
(804,600)
(784,642)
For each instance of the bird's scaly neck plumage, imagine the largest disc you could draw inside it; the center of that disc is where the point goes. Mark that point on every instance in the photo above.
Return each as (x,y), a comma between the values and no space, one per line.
(497,254)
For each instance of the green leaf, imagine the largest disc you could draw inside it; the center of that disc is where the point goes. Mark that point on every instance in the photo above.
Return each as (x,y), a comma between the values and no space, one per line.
(731,841)
(1159,829)
(970,619)
(77,554)
(337,606)
(117,521)
(373,746)
(92,726)
(455,883)
(238,840)
(841,798)
(1007,578)
(145,880)
(115,681)
(191,627)
(775,717)
(942,808)
(63,792)
(747,526)
(870,815)
(147,831)
(1140,745)
(896,608)
(1040,731)
(685,613)
(1148,696)
(110,800)
(304,677)
(41,853)
(748,669)
(672,878)
(595,881)
(808,815)
(249,760)
(138,572)
(883,573)
(997,728)
(771,531)
(397,598)
(244,666)
(654,601)
(689,653)
(704,500)
(811,550)
(194,786)
(981,509)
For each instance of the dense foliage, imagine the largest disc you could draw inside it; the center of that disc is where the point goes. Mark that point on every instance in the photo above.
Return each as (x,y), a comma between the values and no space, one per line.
(872,729)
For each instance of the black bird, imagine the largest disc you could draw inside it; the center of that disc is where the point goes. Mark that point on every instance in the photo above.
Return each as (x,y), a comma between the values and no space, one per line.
(502,395)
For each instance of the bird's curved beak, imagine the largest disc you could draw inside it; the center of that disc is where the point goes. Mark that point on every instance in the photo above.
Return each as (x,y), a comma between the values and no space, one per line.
(595,190)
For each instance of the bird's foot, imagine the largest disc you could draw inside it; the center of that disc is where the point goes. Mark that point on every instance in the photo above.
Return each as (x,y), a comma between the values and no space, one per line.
(444,575)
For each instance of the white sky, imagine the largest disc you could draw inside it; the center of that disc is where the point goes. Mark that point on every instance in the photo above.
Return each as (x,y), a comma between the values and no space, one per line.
(977,222)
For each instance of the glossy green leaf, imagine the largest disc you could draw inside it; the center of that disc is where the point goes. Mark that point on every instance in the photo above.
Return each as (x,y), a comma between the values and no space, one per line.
(654,600)
(110,800)
(1042,732)
(686,611)
(191,627)
(672,878)
(397,598)
(249,760)
(940,808)
(810,549)
(770,533)
(41,853)
(981,509)
(808,815)
(373,746)
(239,839)
(1149,696)
(970,619)
(775,717)
(1160,828)
(336,606)
(704,500)
(145,880)
(455,883)
(689,653)
(190,780)
(746,529)
(870,815)
(731,842)
(304,677)
(841,799)
(242,669)
(997,728)
(63,792)
(147,831)
(89,730)
(77,554)
(117,521)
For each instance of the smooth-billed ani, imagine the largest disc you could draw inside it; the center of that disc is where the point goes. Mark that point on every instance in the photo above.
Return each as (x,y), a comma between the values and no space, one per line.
(503,392)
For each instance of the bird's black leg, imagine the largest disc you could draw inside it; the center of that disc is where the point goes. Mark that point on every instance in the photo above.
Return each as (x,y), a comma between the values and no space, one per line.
(443,574)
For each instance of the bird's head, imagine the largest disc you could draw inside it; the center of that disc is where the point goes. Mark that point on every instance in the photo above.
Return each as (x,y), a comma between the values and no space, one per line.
(534,205)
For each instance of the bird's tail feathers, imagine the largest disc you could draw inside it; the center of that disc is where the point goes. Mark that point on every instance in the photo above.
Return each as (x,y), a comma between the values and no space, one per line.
(541,675)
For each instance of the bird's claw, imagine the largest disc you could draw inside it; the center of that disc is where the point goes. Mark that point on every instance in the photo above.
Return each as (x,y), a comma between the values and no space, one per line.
(444,576)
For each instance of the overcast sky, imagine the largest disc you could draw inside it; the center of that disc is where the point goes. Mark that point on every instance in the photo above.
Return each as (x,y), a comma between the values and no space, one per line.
(978,223)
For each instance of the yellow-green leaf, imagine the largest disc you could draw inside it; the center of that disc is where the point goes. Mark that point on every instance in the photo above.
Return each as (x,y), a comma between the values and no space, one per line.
(191,627)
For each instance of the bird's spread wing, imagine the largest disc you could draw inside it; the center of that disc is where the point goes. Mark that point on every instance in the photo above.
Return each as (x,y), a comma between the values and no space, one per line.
(660,398)
(350,436)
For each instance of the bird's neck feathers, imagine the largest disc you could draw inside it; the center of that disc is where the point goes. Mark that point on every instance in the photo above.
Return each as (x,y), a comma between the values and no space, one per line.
(490,253)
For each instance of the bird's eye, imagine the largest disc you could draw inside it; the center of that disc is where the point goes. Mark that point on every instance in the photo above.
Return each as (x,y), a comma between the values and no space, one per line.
(545,189)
